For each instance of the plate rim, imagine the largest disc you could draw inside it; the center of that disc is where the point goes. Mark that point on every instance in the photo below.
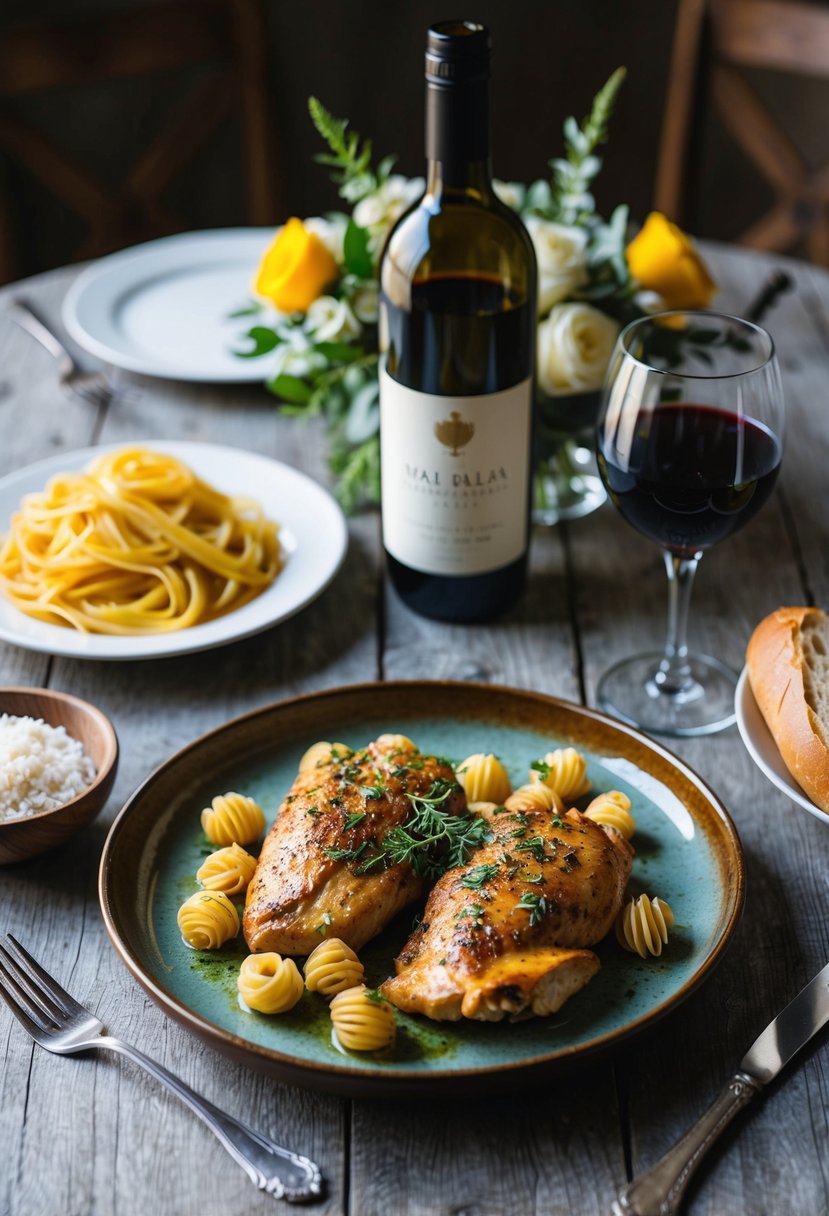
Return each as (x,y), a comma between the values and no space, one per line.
(249,371)
(350,1081)
(745,703)
(177,642)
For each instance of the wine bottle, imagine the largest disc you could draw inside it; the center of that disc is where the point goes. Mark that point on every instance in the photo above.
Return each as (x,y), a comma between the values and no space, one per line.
(457,341)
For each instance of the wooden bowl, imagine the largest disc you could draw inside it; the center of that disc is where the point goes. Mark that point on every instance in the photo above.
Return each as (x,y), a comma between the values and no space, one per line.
(33,834)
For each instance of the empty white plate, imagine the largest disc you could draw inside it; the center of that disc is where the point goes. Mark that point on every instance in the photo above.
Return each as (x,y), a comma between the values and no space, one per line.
(164,308)
(763,750)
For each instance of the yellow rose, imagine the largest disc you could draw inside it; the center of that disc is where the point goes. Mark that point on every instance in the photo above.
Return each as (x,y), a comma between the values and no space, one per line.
(295,269)
(663,259)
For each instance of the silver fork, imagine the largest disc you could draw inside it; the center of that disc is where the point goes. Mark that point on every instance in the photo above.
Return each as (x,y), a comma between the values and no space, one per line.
(96,387)
(57,1022)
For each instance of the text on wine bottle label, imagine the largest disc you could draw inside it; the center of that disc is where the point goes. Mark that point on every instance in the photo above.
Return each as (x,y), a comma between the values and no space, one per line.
(455,475)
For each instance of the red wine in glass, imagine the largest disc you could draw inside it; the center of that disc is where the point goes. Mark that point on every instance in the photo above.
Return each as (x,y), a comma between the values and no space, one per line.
(693,474)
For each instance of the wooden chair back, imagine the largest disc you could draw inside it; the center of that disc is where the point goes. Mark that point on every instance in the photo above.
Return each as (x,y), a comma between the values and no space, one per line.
(223,40)
(714,42)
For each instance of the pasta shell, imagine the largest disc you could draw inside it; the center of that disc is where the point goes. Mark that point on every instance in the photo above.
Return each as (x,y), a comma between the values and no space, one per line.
(321,753)
(395,743)
(229,870)
(332,968)
(233,819)
(612,810)
(564,771)
(642,926)
(269,983)
(484,778)
(360,1022)
(535,797)
(207,920)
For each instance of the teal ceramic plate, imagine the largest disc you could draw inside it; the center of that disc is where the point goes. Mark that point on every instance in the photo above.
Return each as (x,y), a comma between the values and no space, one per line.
(687,853)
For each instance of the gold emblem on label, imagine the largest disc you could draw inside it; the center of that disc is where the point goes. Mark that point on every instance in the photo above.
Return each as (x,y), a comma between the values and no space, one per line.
(454,433)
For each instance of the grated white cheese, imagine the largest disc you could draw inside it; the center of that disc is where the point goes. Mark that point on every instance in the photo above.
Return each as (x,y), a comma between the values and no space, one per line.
(41,767)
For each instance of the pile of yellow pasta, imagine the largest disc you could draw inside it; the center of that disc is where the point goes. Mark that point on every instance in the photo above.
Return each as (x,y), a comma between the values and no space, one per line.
(137,544)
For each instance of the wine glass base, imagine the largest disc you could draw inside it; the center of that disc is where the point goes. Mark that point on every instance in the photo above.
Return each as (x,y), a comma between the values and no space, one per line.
(704,705)
(566,493)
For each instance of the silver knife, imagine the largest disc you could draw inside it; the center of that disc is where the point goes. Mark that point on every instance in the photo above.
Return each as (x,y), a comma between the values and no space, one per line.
(659,1192)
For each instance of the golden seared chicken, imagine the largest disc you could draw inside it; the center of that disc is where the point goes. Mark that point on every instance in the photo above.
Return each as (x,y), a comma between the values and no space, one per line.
(326,868)
(509,930)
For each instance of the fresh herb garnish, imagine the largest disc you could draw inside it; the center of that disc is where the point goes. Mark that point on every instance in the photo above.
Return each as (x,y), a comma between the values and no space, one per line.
(542,767)
(351,821)
(322,928)
(373,792)
(535,846)
(533,903)
(478,876)
(433,841)
(474,912)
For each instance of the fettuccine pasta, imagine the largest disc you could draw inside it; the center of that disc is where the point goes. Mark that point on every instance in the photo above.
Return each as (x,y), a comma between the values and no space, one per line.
(137,544)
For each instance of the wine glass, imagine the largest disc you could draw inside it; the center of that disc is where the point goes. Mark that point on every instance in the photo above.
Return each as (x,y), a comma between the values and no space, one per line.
(690,438)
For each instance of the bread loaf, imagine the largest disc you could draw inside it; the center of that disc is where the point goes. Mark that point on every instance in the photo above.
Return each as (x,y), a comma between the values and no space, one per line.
(788,668)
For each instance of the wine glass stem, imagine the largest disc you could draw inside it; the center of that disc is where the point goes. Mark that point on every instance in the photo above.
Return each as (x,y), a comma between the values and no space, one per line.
(674,675)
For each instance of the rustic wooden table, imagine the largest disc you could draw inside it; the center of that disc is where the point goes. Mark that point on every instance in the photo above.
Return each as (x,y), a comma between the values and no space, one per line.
(93,1135)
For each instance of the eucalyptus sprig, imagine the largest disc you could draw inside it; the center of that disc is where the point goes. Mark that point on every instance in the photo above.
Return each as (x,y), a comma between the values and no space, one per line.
(350,157)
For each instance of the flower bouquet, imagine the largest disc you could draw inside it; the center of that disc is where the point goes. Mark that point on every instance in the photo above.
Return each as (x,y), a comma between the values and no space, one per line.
(316,298)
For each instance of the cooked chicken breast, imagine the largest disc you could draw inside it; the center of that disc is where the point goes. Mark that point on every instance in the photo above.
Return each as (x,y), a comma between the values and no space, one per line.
(509,931)
(316,876)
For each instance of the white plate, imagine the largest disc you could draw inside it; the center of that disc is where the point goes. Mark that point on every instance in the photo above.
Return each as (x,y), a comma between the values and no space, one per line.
(163,308)
(312,533)
(762,748)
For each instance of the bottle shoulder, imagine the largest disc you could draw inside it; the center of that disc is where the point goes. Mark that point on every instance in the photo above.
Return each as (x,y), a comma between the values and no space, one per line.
(442,236)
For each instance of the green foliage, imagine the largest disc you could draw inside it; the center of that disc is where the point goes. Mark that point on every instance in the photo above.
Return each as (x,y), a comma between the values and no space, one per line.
(350,156)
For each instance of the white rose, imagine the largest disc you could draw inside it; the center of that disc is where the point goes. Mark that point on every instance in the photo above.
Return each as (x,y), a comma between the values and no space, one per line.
(331,320)
(377,212)
(331,232)
(574,347)
(562,260)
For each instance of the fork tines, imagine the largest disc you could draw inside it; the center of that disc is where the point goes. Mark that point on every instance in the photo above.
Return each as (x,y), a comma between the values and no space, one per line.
(27,985)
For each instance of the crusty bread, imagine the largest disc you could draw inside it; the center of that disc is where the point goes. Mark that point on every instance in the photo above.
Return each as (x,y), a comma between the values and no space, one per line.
(788,667)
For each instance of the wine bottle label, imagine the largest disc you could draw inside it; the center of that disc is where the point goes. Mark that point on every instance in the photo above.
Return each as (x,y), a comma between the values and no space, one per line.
(455,473)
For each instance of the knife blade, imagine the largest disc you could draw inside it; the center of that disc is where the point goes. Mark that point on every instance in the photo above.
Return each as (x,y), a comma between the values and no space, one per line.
(789,1031)
(659,1191)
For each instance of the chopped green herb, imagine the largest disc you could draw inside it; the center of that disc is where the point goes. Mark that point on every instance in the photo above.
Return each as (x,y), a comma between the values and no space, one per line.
(535,846)
(312,810)
(375,996)
(541,766)
(473,912)
(351,821)
(322,928)
(533,903)
(373,792)
(442,962)
(479,875)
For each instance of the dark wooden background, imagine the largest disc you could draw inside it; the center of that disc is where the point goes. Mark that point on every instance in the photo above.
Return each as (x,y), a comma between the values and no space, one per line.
(363,58)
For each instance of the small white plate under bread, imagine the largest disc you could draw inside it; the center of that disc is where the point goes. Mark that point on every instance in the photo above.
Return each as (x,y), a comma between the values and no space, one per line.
(763,750)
